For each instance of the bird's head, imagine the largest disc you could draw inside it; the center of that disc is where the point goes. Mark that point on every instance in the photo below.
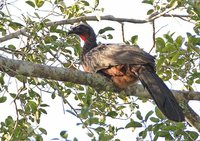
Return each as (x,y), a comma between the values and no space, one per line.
(85,31)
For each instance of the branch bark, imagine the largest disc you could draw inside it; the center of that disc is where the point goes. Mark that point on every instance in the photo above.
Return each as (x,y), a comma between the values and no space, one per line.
(98,82)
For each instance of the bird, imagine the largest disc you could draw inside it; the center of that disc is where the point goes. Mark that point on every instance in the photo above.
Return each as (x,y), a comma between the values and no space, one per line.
(125,65)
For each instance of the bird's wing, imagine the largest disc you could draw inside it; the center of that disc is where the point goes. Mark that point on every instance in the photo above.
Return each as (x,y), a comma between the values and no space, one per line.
(105,56)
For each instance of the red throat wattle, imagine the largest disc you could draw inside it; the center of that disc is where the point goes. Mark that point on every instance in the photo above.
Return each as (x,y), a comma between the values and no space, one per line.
(84,37)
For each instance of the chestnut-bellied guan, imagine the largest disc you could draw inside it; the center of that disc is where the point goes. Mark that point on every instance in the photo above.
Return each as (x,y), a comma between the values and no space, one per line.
(124,65)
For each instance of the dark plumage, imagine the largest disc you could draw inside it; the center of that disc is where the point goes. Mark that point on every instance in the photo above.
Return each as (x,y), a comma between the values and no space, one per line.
(126,64)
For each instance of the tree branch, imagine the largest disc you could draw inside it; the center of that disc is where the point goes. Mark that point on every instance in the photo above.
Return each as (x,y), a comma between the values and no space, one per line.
(98,82)
(156,15)
(23,31)
(192,117)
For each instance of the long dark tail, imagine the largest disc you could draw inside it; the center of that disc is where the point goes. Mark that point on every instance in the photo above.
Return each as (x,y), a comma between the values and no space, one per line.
(161,94)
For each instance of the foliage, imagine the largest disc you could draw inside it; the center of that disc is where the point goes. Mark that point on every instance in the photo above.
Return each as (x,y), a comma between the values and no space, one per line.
(177,58)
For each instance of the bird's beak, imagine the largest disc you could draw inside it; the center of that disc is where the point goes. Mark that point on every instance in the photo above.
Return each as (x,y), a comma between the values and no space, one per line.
(70,32)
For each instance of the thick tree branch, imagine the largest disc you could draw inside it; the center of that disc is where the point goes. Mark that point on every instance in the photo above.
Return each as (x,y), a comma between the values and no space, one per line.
(98,82)
(191,117)
(18,67)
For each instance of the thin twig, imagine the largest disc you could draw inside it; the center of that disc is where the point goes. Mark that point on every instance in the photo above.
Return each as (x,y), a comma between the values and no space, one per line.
(16,109)
(153,36)
(123,37)
(55,56)
(158,15)
(77,115)
(161,28)
(186,18)
(14,128)
(150,132)
(74,110)
(127,117)
(11,51)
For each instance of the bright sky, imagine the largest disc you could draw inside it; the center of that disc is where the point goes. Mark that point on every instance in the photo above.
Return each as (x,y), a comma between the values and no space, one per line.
(56,120)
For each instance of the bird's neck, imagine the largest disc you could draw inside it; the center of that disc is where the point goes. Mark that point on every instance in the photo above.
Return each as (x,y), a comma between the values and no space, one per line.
(89,44)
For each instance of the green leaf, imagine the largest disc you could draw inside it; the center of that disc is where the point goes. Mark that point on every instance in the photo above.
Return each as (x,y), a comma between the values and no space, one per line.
(180,125)
(85,3)
(53,95)
(197,28)
(160,62)
(3,99)
(143,134)
(39,3)
(134,39)
(179,41)
(194,135)
(2,14)
(15,25)
(50,39)
(112,114)
(37,15)
(32,93)
(38,138)
(43,111)
(53,28)
(96,3)
(148,2)
(121,107)
(93,120)
(168,75)
(11,47)
(105,136)
(30,3)
(139,116)
(170,128)
(197,81)
(148,115)
(84,112)
(3,31)
(153,119)
(2,82)
(100,129)
(162,133)
(133,124)
(155,138)
(44,105)
(43,131)
(149,12)
(169,47)
(33,105)
(13,95)
(196,49)
(101,31)
(180,62)
(160,43)
(175,57)
(110,36)
(64,134)
(9,120)
(169,38)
